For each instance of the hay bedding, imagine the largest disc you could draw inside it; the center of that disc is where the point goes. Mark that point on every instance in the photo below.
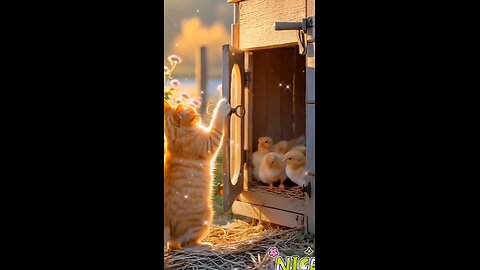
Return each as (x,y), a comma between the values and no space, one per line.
(238,245)
(292,191)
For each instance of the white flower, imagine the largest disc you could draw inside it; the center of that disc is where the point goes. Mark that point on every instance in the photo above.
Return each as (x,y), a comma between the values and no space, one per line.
(174,59)
(196,102)
(175,82)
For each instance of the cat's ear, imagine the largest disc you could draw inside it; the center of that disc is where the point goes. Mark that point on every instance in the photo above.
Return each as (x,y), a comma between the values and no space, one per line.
(166,106)
(180,111)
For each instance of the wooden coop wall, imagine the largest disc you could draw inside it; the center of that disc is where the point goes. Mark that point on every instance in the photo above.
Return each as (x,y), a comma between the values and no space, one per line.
(278,111)
(257,18)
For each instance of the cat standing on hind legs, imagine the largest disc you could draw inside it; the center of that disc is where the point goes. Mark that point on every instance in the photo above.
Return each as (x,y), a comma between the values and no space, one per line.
(190,149)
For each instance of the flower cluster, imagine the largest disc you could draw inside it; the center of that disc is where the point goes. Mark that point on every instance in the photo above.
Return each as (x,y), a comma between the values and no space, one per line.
(184,98)
(174,60)
(171,85)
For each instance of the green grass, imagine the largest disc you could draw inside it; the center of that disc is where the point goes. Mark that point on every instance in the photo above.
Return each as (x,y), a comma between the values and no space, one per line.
(220,217)
(299,238)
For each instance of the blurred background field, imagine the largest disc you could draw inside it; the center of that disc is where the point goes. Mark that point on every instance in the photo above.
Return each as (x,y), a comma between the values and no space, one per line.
(190,24)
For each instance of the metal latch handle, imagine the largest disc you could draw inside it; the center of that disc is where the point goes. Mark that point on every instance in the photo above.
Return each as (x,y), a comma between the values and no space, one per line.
(301,27)
(279,26)
(238,111)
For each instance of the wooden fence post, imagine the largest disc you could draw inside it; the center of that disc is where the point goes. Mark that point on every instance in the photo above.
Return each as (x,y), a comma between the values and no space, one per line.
(201,75)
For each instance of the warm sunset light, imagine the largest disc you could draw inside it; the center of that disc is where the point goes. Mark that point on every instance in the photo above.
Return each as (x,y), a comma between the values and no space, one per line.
(239,100)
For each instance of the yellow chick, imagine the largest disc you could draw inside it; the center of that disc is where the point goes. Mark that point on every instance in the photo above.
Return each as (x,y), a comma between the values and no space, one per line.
(295,170)
(301,149)
(283,147)
(265,146)
(272,169)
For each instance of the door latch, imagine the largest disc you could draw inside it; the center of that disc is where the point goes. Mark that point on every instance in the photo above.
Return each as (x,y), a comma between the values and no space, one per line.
(238,111)
(308,189)
(301,27)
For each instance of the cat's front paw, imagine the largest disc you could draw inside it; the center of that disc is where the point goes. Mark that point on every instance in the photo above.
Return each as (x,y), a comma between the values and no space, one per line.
(224,108)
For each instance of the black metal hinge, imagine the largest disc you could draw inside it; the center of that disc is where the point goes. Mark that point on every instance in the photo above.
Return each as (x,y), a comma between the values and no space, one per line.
(248,74)
(308,189)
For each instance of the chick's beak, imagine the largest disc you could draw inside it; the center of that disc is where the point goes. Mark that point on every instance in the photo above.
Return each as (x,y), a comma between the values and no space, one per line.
(284,160)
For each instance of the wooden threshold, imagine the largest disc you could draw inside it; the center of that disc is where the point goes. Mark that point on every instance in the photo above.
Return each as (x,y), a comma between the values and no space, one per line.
(268,214)
(278,202)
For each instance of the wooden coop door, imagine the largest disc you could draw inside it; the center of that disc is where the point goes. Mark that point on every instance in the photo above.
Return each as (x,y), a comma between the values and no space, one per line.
(233,152)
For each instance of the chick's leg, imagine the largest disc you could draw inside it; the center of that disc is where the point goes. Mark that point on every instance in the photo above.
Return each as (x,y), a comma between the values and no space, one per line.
(281,186)
(282,179)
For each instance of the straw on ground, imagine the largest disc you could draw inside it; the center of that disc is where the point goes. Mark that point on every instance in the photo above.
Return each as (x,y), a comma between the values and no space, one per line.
(240,245)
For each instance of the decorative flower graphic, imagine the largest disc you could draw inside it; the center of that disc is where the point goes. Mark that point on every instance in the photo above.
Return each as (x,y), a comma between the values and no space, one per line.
(309,251)
(273,252)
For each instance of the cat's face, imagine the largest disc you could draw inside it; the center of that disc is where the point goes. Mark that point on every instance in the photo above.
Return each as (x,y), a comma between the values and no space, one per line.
(181,116)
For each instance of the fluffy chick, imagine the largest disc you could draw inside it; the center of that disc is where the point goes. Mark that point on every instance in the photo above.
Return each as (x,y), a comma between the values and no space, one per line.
(265,146)
(272,169)
(301,140)
(283,147)
(295,170)
(301,149)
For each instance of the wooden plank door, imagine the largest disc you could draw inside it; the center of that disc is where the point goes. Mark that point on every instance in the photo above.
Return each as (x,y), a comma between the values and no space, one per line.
(310,113)
(233,149)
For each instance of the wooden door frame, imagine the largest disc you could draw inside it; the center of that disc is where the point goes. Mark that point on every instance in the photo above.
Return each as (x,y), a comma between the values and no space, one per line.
(310,113)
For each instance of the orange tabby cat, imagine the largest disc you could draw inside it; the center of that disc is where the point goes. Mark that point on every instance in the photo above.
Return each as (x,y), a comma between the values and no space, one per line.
(191,147)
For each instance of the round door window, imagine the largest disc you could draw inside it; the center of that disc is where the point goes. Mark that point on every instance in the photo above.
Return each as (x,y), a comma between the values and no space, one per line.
(235,126)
